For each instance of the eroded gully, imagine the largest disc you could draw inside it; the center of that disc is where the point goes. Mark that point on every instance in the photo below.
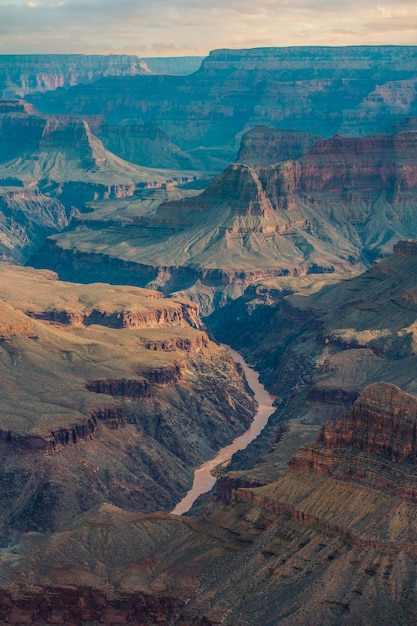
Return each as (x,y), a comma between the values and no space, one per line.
(203,477)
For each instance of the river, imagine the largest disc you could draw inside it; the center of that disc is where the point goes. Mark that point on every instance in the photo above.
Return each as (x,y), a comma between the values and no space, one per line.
(203,477)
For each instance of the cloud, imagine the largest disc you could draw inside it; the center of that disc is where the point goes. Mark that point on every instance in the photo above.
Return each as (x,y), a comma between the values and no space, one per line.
(173,27)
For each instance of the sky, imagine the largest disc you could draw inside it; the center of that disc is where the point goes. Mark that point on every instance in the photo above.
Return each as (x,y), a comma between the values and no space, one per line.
(152,28)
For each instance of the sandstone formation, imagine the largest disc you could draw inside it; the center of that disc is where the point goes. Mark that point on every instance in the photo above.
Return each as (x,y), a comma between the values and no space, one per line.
(349,164)
(382,424)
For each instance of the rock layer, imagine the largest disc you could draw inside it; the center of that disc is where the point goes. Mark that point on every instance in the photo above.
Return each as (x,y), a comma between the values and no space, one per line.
(22,74)
(382,426)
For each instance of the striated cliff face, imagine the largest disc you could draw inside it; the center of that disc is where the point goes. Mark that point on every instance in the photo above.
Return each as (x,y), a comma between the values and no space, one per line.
(19,132)
(405,248)
(374,443)
(22,74)
(83,604)
(352,167)
(12,105)
(382,422)
(27,217)
(248,199)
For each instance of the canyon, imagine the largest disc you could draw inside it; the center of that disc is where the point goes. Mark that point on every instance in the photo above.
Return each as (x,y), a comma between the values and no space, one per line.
(264,199)
(317,345)
(332,541)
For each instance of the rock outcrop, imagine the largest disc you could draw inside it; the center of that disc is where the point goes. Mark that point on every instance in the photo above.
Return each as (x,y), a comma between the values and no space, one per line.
(374,443)
(14,105)
(22,74)
(50,169)
(27,217)
(29,73)
(357,168)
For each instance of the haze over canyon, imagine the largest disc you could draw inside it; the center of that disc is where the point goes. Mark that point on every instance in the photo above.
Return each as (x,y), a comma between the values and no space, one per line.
(153,213)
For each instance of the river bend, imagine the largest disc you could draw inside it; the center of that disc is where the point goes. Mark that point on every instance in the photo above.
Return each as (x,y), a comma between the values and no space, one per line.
(203,478)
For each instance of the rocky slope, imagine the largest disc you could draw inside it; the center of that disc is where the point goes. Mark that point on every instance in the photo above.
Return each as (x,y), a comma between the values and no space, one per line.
(27,217)
(64,150)
(332,542)
(145,145)
(350,90)
(109,394)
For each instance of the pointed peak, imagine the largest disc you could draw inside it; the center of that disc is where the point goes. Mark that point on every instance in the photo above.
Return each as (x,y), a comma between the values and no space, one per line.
(237,176)
(240,187)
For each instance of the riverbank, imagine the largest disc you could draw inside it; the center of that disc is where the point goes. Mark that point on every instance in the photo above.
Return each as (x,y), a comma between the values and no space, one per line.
(204,480)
